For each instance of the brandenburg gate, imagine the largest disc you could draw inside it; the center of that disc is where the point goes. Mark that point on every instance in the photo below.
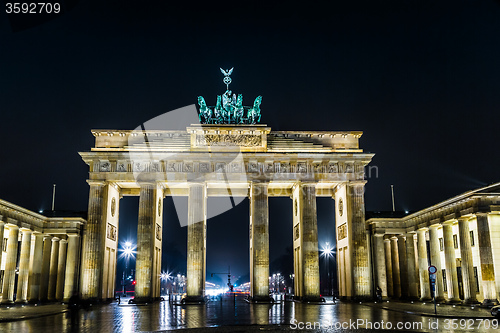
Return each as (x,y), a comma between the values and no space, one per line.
(226,155)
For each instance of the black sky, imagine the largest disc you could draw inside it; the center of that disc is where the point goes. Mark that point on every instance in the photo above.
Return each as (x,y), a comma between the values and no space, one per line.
(420,78)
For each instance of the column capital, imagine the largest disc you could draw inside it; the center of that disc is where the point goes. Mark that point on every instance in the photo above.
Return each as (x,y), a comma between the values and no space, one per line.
(25,229)
(357,183)
(481,214)
(145,183)
(12,226)
(449,222)
(424,229)
(95,182)
(465,218)
(435,226)
(395,237)
(63,241)
(56,239)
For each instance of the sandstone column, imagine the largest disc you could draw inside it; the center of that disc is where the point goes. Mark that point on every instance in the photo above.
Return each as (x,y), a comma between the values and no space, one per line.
(396,277)
(403,266)
(380,263)
(9,277)
(423,266)
(35,271)
(259,242)
(451,264)
(467,265)
(93,243)
(61,269)
(436,261)
(145,244)
(411,265)
(71,266)
(388,267)
(197,205)
(486,258)
(360,248)
(2,225)
(44,275)
(24,266)
(54,262)
(310,242)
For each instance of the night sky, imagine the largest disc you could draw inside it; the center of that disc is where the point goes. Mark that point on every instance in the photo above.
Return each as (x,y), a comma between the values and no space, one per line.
(421,79)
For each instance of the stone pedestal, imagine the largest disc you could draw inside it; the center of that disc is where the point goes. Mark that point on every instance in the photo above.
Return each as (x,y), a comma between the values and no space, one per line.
(423,266)
(379,249)
(61,269)
(71,267)
(54,261)
(197,205)
(467,265)
(24,265)
(259,243)
(403,266)
(9,277)
(396,277)
(35,272)
(436,261)
(486,258)
(388,267)
(411,266)
(451,264)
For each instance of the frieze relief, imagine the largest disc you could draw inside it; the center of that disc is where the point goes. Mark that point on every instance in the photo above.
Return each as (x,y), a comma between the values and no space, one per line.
(111,232)
(204,167)
(121,166)
(342,231)
(241,140)
(105,166)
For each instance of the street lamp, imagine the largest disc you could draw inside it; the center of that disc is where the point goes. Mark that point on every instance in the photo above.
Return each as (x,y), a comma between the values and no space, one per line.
(128,250)
(165,276)
(327,252)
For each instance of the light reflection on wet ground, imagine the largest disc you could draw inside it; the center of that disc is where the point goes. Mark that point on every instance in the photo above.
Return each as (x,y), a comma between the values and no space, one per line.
(166,316)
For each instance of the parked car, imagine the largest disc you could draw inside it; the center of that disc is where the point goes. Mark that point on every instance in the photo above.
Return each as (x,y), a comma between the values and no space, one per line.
(495,311)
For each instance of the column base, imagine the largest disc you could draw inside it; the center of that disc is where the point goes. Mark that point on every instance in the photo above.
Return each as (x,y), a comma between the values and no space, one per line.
(309,299)
(425,299)
(440,300)
(190,300)
(6,302)
(470,302)
(488,303)
(261,299)
(21,301)
(454,301)
(141,300)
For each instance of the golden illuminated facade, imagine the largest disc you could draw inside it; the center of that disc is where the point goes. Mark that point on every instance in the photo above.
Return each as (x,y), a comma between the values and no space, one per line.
(237,161)
(459,236)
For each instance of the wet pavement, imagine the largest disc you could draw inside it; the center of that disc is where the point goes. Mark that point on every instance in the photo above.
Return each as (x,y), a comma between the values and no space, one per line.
(237,315)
